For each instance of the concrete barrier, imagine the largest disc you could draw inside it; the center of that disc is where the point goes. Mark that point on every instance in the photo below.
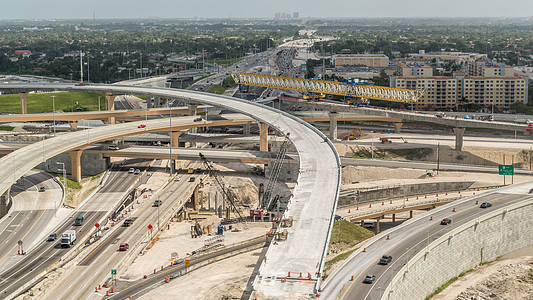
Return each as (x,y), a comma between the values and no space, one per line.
(483,239)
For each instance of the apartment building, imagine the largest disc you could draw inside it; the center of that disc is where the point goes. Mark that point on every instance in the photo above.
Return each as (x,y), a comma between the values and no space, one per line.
(489,68)
(443,92)
(418,69)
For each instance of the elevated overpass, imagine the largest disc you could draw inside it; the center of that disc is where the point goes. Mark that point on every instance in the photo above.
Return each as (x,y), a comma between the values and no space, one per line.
(314,198)
(458,124)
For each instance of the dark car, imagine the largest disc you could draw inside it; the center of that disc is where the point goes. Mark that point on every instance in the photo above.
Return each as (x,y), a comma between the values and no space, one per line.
(445,221)
(198,120)
(385,260)
(157,203)
(531,191)
(52,237)
(127,223)
(42,189)
(369,279)
(192,179)
(79,221)
(485,204)
(123,247)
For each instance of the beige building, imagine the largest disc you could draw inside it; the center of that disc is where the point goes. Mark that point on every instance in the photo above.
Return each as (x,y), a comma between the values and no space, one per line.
(369,60)
(444,91)
(461,56)
(406,69)
(487,68)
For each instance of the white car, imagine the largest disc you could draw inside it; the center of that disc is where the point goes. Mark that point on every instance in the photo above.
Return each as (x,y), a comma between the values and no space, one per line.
(131,170)
(177,179)
(113,147)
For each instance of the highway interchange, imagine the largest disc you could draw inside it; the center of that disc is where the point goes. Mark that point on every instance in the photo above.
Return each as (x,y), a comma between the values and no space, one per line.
(311,202)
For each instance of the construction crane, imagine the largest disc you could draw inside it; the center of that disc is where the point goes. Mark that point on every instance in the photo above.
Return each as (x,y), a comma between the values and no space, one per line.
(225,195)
(328,87)
(267,200)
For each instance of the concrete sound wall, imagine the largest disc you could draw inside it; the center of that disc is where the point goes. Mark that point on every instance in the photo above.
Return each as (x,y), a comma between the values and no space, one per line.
(484,238)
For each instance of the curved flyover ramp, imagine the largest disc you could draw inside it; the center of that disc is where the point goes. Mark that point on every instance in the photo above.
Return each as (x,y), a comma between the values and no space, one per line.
(312,205)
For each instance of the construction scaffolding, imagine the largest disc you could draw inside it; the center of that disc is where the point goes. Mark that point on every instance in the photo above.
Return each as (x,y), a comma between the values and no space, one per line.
(225,195)
(267,201)
(328,87)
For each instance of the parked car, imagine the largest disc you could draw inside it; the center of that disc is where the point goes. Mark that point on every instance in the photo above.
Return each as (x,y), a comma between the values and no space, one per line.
(485,204)
(369,279)
(123,247)
(52,237)
(445,221)
(157,203)
(113,147)
(385,260)
(198,120)
(141,126)
(127,223)
(137,171)
(132,170)
(42,189)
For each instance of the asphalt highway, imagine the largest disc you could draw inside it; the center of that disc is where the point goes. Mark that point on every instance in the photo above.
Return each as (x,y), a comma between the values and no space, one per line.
(405,241)
(47,254)
(32,210)
(94,269)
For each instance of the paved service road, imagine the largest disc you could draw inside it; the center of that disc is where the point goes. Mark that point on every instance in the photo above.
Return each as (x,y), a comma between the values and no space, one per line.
(407,239)
(46,254)
(32,211)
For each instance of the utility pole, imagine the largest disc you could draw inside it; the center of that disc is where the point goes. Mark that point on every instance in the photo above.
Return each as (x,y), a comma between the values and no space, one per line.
(438,158)
(54,112)
(81,66)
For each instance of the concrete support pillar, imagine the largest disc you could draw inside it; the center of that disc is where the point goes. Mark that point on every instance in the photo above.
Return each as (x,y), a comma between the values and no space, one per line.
(377,225)
(196,198)
(157,102)
(110,106)
(175,137)
(75,162)
(393,219)
(410,214)
(73,126)
(193,109)
(23,105)
(363,223)
(246,129)
(149,100)
(263,137)
(333,116)
(459,132)
(397,127)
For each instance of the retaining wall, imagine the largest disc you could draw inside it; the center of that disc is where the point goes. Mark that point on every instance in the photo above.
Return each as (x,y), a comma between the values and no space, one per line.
(484,238)
(399,191)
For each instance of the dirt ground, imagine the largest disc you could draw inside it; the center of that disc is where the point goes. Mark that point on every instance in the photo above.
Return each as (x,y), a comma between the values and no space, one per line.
(508,278)
(209,282)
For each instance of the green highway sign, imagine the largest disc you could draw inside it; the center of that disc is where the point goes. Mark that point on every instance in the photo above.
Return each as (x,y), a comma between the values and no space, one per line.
(506,169)
(113,271)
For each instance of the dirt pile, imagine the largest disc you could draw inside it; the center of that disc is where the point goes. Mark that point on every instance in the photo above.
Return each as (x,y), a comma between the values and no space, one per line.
(512,281)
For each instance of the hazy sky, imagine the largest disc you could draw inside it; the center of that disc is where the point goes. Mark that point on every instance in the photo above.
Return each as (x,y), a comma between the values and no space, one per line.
(77,9)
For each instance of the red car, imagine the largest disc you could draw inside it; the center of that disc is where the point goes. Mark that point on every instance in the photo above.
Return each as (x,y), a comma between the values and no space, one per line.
(123,247)
(141,126)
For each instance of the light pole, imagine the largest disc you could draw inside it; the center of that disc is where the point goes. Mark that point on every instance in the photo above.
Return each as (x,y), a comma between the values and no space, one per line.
(54,112)
(158,229)
(372,147)
(98,103)
(64,183)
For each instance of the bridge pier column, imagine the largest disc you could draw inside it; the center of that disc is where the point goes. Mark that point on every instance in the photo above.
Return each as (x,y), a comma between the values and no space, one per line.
(393,219)
(459,132)
(149,100)
(333,116)
(5,202)
(174,138)
(246,129)
(410,214)
(397,127)
(110,106)
(157,102)
(193,109)
(263,137)
(23,105)
(195,198)
(377,225)
(73,126)
(75,162)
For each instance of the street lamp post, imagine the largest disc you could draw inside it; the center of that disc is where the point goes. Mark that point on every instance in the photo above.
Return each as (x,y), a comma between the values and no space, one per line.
(54,112)
(170,132)
(372,147)
(64,183)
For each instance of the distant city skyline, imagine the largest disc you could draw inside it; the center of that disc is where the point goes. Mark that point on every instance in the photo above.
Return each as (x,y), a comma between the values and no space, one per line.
(108,9)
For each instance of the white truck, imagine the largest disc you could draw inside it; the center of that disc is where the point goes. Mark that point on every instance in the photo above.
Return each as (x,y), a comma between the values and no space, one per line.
(68,238)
